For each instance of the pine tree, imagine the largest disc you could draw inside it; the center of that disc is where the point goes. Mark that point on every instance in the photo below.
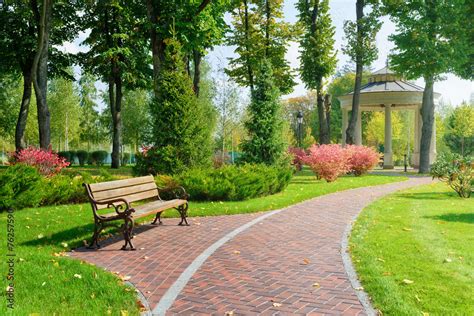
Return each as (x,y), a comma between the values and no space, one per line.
(264,127)
(181,133)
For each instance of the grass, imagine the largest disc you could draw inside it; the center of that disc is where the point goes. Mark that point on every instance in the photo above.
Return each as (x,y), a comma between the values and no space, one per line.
(45,282)
(424,235)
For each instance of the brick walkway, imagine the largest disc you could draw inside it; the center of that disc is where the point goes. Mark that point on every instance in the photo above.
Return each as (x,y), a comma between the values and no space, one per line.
(288,263)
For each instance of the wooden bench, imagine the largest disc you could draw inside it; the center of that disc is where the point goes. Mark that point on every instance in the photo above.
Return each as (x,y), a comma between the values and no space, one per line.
(122,195)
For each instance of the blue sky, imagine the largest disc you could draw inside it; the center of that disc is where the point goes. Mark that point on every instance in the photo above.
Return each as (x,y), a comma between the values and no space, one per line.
(454,90)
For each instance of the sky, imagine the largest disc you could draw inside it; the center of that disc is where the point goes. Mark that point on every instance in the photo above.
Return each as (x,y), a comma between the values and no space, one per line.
(453,89)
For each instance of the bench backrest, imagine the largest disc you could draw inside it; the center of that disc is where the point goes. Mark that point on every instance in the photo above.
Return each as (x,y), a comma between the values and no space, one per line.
(133,189)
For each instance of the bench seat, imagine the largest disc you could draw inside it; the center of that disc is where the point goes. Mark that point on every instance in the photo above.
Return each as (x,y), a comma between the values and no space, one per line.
(122,195)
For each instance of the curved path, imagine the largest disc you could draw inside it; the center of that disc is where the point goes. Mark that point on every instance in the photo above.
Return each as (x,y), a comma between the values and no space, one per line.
(287,261)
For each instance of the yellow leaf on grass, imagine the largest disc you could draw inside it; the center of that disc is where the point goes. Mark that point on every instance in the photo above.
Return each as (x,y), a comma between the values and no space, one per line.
(78,276)
(123,313)
(407,229)
(407,281)
(417,298)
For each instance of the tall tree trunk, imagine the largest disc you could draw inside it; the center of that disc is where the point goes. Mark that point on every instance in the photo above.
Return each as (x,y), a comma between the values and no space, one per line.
(40,75)
(350,132)
(323,127)
(157,43)
(427,116)
(115,97)
(327,106)
(197,57)
(247,46)
(24,108)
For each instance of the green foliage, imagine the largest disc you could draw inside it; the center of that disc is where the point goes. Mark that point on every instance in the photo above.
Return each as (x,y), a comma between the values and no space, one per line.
(98,157)
(136,118)
(82,157)
(69,155)
(234,183)
(430,33)
(181,129)
(91,131)
(260,31)
(460,130)
(456,171)
(125,159)
(10,96)
(318,58)
(20,186)
(264,126)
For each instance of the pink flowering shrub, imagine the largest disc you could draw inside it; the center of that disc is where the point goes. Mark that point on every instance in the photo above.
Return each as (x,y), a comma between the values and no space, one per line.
(327,161)
(47,162)
(297,155)
(361,159)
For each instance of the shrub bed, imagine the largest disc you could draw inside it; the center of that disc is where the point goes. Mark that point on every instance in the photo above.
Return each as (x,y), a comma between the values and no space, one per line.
(233,183)
(457,171)
(23,186)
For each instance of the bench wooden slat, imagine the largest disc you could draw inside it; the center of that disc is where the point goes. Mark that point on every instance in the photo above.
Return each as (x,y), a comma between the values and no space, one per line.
(133,197)
(103,186)
(124,191)
(153,208)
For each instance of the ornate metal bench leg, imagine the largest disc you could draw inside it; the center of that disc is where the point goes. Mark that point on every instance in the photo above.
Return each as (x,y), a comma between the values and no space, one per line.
(127,233)
(157,218)
(98,227)
(183,211)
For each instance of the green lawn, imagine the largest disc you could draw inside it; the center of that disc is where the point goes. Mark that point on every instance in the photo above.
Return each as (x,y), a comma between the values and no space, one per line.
(423,235)
(47,283)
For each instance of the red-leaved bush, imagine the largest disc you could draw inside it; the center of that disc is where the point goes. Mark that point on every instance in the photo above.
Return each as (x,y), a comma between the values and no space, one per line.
(327,161)
(47,162)
(297,154)
(361,159)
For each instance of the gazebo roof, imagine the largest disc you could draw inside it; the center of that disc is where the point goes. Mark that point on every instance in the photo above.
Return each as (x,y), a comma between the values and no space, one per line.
(385,87)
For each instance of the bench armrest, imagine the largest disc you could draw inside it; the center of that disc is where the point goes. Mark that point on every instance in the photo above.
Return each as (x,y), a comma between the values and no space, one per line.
(118,207)
(178,192)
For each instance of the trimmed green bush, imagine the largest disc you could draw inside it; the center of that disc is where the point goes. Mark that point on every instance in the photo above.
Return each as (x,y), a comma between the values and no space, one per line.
(125,159)
(234,183)
(98,157)
(20,186)
(69,155)
(82,157)
(457,171)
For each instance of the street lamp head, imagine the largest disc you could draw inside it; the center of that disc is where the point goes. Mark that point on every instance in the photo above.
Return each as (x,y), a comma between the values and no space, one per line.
(299,117)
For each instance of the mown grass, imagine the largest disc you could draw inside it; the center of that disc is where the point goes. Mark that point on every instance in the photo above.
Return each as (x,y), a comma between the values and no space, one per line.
(424,235)
(46,283)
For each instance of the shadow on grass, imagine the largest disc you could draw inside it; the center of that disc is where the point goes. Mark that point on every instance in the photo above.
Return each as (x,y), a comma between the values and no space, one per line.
(74,236)
(454,217)
(427,196)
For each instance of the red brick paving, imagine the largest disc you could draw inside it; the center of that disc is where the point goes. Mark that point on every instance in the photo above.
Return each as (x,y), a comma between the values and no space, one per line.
(276,261)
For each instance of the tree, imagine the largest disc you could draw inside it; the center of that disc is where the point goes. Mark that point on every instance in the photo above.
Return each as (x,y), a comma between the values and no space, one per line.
(228,109)
(460,134)
(117,55)
(259,31)
(181,129)
(64,104)
(90,131)
(136,117)
(429,43)
(361,48)
(24,22)
(264,126)
(305,105)
(9,95)
(318,58)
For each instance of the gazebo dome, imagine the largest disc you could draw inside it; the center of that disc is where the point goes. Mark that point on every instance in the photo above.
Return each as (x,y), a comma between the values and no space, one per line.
(386,87)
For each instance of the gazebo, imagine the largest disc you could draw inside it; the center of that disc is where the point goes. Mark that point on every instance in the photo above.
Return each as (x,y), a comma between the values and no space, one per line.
(386,91)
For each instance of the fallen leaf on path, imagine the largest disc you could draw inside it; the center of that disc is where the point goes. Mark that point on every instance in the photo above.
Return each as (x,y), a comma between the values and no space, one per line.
(316,285)
(306,261)
(276,304)
(360,288)
(236,252)
(125,277)
(146,257)
(229,313)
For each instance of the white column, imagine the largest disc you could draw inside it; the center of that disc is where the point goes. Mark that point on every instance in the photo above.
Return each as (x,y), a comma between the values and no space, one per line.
(344,125)
(415,161)
(358,129)
(388,155)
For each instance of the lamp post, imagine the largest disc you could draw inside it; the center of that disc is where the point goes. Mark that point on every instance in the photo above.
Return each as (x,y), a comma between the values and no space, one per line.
(299,119)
